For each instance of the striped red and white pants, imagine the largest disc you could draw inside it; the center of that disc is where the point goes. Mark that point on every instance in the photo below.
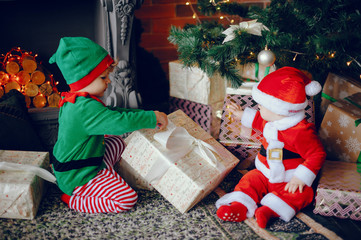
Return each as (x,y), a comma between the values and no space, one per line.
(107,191)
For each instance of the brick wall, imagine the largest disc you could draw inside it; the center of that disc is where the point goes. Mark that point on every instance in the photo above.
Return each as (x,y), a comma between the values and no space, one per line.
(157,16)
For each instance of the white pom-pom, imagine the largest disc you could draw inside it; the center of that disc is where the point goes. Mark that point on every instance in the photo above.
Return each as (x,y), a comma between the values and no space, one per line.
(313,88)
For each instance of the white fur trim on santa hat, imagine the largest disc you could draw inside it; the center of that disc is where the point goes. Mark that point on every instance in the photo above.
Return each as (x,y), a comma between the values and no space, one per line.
(279,206)
(305,175)
(313,88)
(248,116)
(240,197)
(276,105)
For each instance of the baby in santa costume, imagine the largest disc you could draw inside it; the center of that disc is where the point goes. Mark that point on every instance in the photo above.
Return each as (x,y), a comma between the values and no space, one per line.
(290,157)
(83,157)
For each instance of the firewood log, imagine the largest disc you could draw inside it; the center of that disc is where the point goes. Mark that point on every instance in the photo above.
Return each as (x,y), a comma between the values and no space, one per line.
(39,101)
(4,78)
(54,99)
(23,77)
(27,101)
(29,64)
(38,77)
(45,89)
(12,67)
(31,89)
(12,85)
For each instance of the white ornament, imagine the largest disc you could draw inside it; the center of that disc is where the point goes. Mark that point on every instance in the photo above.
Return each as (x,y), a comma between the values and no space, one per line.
(266,58)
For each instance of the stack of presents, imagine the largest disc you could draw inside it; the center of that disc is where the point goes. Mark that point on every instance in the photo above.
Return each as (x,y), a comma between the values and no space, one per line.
(202,145)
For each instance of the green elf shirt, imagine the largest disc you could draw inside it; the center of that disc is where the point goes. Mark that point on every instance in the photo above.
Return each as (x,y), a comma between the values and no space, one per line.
(80,146)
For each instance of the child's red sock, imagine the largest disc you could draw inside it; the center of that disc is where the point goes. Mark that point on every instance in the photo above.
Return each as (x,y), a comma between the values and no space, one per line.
(65,198)
(236,212)
(263,215)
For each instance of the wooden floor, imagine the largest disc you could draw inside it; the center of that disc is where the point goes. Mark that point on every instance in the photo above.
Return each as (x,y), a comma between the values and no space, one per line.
(345,228)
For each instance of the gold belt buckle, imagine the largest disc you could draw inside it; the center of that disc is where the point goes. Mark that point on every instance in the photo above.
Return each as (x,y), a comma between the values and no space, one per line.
(275,154)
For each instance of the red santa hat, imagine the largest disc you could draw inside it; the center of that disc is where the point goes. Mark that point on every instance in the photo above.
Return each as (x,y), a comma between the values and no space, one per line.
(284,91)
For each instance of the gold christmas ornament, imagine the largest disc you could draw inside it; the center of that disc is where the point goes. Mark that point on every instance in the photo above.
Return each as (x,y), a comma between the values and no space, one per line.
(266,58)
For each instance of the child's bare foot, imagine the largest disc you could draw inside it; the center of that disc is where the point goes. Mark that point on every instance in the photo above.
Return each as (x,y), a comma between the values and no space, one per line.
(236,212)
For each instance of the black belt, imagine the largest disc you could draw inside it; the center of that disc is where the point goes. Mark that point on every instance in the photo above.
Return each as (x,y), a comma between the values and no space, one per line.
(287,154)
(76,164)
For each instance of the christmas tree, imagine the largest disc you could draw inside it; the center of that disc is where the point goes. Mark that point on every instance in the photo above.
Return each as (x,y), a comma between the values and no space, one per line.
(319,36)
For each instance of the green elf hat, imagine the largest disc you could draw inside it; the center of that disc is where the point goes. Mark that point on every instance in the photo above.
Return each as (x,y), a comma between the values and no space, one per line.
(81,61)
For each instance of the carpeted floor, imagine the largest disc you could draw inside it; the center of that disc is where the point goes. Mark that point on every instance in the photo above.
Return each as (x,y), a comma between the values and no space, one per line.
(154,218)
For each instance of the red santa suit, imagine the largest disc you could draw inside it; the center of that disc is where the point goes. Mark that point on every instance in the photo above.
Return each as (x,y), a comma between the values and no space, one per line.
(290,147)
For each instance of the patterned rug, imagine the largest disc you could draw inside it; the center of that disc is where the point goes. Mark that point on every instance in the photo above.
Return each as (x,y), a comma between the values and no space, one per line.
(154,218)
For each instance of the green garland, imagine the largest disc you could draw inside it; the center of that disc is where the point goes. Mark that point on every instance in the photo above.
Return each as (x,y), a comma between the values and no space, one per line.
(319,36)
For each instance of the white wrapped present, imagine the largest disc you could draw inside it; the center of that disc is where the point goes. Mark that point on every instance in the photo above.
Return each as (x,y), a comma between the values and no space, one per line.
(183,163)
(191,83)
(21,190)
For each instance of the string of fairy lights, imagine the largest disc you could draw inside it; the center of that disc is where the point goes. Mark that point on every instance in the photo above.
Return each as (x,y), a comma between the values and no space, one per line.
(195,15)
(217,4)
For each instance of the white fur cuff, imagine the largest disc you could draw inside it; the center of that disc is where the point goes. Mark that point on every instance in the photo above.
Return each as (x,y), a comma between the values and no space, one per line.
(305,174)
(280,207)
(248,116)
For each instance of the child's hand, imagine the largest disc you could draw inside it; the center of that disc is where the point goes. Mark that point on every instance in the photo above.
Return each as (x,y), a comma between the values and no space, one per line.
(235,111)
(162,120)
(294,184)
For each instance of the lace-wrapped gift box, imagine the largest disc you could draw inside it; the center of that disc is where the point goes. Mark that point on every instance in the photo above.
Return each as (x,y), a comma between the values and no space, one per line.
(21,192)
(206,116)
(339,190)
(183,180)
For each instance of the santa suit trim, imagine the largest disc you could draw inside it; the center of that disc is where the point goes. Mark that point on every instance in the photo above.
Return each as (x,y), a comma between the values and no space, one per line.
(240,197)
(279,206)
(267,172)
(248,116)
(305,175)
(275,104)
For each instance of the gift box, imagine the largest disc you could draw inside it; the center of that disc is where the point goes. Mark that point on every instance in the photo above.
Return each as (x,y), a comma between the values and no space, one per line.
(206,116)
(337,87)
(340,131)
(240,140)
(338,192)
(130,176)
(183,163)
(193,84)
(21,191)
(254,72)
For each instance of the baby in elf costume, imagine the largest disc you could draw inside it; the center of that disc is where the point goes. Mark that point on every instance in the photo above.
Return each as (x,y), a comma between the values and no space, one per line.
(84,158)
(290,157)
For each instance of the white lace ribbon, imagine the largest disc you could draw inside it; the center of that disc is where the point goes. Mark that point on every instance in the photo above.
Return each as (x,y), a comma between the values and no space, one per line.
(41,172)
(177,143)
